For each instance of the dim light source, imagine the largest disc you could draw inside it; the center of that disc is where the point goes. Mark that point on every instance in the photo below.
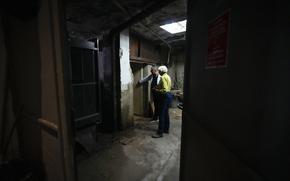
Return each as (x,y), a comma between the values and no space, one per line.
(176,27)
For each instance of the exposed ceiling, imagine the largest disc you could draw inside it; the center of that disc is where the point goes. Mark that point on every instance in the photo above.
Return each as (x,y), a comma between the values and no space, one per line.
(150,26)
(87,19)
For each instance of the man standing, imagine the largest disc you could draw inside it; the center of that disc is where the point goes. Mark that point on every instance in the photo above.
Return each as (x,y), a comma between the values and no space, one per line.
(164,88)
(155,79)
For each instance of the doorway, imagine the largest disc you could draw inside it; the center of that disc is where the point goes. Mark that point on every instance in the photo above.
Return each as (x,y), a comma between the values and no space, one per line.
(85,95)
(141,94)
(118,59)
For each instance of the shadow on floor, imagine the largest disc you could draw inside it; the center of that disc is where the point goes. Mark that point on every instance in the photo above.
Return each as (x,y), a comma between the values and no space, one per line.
(132,155)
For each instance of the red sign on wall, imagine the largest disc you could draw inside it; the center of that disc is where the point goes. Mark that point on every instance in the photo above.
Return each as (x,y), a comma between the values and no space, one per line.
(218,40)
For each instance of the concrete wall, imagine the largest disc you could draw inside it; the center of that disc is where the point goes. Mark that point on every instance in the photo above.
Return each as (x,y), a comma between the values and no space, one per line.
(176,69)
(236,119)
(126,81)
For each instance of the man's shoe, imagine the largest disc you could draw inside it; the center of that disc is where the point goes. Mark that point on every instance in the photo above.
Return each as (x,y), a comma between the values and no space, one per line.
(157,136)
(154,121)
(166,132)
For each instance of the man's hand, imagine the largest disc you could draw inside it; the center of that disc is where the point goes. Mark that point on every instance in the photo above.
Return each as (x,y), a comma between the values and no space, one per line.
(155,89)
(138,84)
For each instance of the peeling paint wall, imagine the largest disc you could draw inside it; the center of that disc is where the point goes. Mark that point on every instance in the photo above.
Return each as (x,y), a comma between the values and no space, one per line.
(126,81)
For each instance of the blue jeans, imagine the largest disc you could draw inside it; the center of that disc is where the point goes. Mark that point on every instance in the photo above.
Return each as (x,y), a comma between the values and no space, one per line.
(164,122)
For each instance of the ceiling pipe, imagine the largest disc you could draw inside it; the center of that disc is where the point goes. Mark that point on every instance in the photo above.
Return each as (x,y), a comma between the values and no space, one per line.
(146,27)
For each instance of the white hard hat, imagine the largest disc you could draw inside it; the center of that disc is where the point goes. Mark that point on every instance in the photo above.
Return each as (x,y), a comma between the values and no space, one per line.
(163,68)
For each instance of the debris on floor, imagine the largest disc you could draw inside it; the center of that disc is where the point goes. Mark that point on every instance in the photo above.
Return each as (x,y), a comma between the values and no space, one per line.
(126,141)
(176,113)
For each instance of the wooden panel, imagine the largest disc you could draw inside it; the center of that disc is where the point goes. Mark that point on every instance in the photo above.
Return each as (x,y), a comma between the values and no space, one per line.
(150,50)
(50,100)
(144,51)
(57,152)
(142,60)
(65,127)
(134,46)
(137,71)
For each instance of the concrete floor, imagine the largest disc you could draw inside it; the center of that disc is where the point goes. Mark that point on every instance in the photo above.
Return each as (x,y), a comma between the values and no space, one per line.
(133,155)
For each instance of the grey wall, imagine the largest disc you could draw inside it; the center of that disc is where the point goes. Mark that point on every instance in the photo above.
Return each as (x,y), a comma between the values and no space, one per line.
(6,110)
(2,77)
(236,119)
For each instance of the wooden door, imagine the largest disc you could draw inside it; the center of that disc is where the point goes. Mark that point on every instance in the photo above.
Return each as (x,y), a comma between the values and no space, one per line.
(137,70)
(85,84)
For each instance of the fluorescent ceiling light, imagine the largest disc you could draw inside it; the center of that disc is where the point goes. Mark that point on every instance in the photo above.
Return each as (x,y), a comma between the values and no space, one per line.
(176,27)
